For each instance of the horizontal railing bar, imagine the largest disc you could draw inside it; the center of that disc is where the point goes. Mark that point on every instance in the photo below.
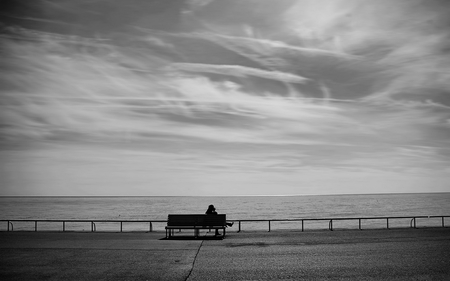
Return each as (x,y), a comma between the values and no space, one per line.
(235,220)
(58,220)
(327,219)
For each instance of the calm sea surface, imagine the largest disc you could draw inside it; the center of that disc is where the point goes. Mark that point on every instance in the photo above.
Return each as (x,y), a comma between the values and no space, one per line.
(236,208)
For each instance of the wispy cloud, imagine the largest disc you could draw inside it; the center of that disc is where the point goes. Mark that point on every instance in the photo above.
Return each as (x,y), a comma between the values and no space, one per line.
(239,71)
(406,38)
(336,90)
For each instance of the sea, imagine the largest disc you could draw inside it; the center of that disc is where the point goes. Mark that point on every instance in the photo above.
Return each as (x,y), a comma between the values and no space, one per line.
(236,208)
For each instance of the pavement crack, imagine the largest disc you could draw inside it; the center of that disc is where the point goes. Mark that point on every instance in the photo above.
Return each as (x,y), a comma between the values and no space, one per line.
(195,259)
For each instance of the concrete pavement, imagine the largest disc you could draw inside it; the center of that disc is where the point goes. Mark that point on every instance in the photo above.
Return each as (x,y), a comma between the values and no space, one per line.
(94,256)
(396,254)
(340,255)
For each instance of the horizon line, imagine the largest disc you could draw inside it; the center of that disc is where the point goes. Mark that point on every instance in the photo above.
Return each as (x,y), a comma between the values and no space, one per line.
(250,195)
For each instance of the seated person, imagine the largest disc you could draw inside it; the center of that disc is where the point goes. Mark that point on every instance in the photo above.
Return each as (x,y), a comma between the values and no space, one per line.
(212,211)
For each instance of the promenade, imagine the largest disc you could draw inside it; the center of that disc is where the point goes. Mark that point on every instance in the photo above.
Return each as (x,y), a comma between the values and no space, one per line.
(396,254)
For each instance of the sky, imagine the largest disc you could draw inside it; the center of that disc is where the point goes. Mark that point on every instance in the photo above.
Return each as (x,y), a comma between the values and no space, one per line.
(217,98)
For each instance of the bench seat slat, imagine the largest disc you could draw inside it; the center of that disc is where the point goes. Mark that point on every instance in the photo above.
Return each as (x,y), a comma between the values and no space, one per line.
(193,227)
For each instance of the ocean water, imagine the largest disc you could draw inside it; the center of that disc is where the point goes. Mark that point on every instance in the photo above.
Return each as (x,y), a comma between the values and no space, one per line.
(236,208)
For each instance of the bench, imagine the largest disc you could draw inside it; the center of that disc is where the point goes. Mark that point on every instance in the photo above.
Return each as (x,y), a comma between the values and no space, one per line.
(195,222)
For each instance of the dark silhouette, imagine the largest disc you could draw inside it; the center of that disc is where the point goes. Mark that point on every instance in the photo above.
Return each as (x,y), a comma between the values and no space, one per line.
(212,211)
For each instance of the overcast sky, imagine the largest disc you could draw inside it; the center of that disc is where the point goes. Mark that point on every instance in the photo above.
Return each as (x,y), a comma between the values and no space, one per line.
(229,97)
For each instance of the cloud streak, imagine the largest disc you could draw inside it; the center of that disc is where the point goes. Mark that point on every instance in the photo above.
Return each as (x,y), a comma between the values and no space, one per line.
(324,89)
(239,71)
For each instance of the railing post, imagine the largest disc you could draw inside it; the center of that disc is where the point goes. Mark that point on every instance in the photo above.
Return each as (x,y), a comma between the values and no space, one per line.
(303,228)
(387,223)
(269,226)
(121,226)
(443,225)
(330,225)
(35,226)
(239,226)
(151,227)
(359,224)
(64,226)
(413,222)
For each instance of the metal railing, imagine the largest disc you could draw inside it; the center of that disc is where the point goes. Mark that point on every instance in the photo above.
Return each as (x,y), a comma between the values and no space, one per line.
(413,222)
(10,225)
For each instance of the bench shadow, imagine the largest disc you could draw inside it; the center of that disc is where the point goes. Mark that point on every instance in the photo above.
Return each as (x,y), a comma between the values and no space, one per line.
(193,238)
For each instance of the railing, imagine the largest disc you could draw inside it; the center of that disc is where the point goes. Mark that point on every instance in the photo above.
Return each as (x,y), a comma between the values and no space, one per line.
(413,222)
(10,225)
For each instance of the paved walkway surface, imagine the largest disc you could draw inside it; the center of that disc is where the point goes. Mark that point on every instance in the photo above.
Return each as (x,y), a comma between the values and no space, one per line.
(396,254)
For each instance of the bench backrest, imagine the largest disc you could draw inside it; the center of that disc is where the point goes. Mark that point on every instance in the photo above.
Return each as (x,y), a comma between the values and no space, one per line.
(196,220)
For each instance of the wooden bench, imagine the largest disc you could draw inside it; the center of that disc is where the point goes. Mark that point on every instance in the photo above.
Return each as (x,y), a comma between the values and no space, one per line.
(195,222)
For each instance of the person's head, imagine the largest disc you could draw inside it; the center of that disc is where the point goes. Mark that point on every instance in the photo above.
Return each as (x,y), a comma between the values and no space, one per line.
(211,208)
